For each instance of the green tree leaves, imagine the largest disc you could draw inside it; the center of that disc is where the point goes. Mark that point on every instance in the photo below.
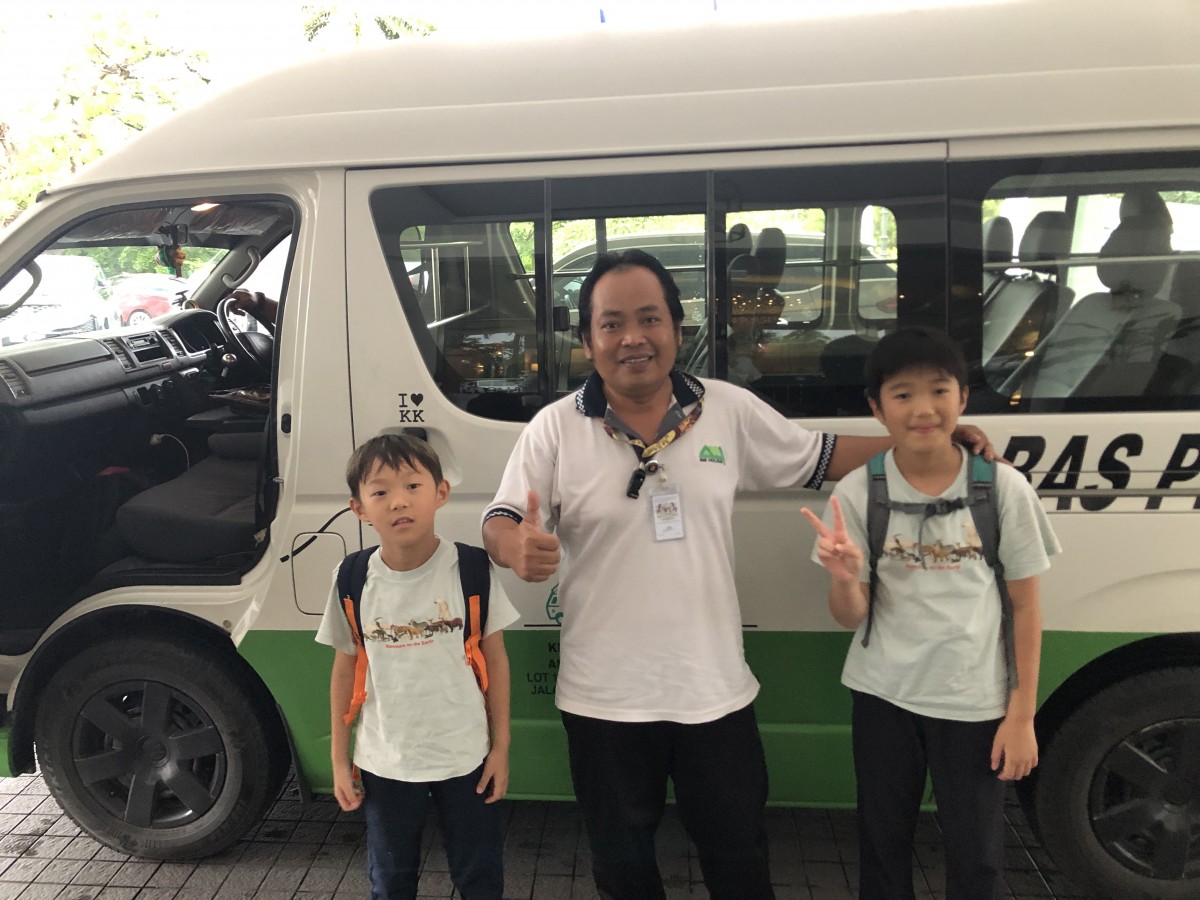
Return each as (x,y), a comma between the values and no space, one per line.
(122,79)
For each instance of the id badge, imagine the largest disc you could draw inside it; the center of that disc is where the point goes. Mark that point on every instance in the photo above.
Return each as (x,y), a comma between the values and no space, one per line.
(666,508)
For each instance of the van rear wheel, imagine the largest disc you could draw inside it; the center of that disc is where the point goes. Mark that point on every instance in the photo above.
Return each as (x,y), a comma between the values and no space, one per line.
(1118,791)
(156,750)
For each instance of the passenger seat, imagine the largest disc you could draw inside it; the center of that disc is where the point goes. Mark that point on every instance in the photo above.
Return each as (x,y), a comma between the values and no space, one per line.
(1109,343)
(1020,311)
(205,513)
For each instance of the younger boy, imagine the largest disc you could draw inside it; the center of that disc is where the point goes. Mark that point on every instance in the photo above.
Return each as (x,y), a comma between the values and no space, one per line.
(425,727)
(927,669)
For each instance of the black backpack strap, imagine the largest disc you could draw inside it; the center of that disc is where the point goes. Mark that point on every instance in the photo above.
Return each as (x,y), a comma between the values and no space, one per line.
(878,514)
(351,578)
(475,572)
(986,513)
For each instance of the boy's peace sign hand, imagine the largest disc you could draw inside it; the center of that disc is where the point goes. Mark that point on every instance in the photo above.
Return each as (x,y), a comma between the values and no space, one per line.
(836,551)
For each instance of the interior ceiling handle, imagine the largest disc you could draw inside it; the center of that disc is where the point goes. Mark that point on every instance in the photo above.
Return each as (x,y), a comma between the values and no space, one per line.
(254,257)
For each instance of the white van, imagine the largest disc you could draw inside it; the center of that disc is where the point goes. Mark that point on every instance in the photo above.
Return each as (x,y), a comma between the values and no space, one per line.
(1028,171)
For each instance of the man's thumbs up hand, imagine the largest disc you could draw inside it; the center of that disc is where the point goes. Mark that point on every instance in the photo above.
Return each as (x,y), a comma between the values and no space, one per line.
(536,553)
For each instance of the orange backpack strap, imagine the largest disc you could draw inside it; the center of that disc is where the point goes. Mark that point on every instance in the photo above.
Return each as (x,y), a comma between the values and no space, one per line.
(474,652)
(352,576)
(475,573)
(359,697)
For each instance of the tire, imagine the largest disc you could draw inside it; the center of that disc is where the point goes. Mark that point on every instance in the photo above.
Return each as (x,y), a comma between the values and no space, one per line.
(157,750)
(1118,791)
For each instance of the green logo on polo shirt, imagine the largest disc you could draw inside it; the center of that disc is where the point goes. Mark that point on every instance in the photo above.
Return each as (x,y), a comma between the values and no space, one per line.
(712,453)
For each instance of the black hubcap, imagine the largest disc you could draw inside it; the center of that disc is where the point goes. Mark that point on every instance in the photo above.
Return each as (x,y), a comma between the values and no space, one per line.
(148,755)
(1145,801)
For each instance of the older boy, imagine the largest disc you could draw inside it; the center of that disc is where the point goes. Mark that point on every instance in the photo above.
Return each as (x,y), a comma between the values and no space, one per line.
(425,727)
(927,668)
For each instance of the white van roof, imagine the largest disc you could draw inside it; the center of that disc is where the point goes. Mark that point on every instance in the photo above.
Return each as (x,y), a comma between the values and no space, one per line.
(1007,67)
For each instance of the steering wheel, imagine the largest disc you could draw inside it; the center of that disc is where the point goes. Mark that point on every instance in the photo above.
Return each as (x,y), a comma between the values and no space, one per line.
(253,349)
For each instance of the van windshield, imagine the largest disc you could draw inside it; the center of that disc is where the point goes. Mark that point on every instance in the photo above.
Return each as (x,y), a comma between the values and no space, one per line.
(127,267)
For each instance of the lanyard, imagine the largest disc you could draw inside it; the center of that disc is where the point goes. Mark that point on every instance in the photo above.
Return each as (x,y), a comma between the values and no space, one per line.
(646,452)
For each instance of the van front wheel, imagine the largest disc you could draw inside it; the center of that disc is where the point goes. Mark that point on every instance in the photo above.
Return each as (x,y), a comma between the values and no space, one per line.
(1118,791)
(154,749)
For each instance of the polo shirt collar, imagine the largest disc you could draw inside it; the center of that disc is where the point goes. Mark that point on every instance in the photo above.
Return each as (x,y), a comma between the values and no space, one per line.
(590,400)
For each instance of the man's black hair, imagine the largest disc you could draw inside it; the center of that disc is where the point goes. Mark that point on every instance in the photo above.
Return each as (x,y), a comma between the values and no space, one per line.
(608,262)
(391,450)
(912,348)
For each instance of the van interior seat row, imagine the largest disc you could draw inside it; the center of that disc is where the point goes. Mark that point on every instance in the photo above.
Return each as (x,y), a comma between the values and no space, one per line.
(1020,309)
(1109,343)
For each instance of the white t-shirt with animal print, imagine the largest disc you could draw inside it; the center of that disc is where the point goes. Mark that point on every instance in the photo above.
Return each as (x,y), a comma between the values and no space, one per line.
(424,717)
(935,646)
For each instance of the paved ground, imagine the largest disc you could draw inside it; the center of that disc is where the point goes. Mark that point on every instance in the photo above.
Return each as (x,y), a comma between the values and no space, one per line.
(318,853)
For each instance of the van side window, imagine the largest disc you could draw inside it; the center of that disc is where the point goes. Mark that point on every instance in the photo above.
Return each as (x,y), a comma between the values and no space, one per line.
(662,214)
(787,276)
(458,256)
(1090,297)
(677,241)
(818,263)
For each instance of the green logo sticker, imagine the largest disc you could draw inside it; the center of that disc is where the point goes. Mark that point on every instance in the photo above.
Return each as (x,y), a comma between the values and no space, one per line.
(553,612)
(712,453)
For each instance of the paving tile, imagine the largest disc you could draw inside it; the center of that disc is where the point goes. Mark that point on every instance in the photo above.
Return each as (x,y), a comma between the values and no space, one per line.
(82,847)
(208,878)
(156,893)
(171,875)
(282,877)
(60,871)
(314,852)
(16,844)
(355,880)
(96,873)
(25,870)
(193,893)
(79,892)
(552,887)
(133,874)
(40,892)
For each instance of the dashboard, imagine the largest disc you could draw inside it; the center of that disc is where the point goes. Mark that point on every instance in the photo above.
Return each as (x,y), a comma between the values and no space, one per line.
(59,393)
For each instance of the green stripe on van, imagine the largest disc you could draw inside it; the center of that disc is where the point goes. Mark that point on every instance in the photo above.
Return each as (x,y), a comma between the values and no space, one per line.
(803,710)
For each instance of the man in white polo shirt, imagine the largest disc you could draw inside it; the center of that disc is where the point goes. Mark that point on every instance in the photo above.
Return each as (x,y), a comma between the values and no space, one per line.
(635,475)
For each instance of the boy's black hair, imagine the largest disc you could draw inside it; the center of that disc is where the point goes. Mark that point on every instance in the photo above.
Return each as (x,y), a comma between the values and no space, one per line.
(911,348)
(607,262)
(390,450)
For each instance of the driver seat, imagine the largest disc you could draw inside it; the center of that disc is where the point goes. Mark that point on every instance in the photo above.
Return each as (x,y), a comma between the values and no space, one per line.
(206,512)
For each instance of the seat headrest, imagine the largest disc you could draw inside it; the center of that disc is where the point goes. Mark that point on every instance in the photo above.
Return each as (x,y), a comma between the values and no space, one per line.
(1134,237)
(998,240)
(1047,237)
(1144,201)
(739,241)
(770,249)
